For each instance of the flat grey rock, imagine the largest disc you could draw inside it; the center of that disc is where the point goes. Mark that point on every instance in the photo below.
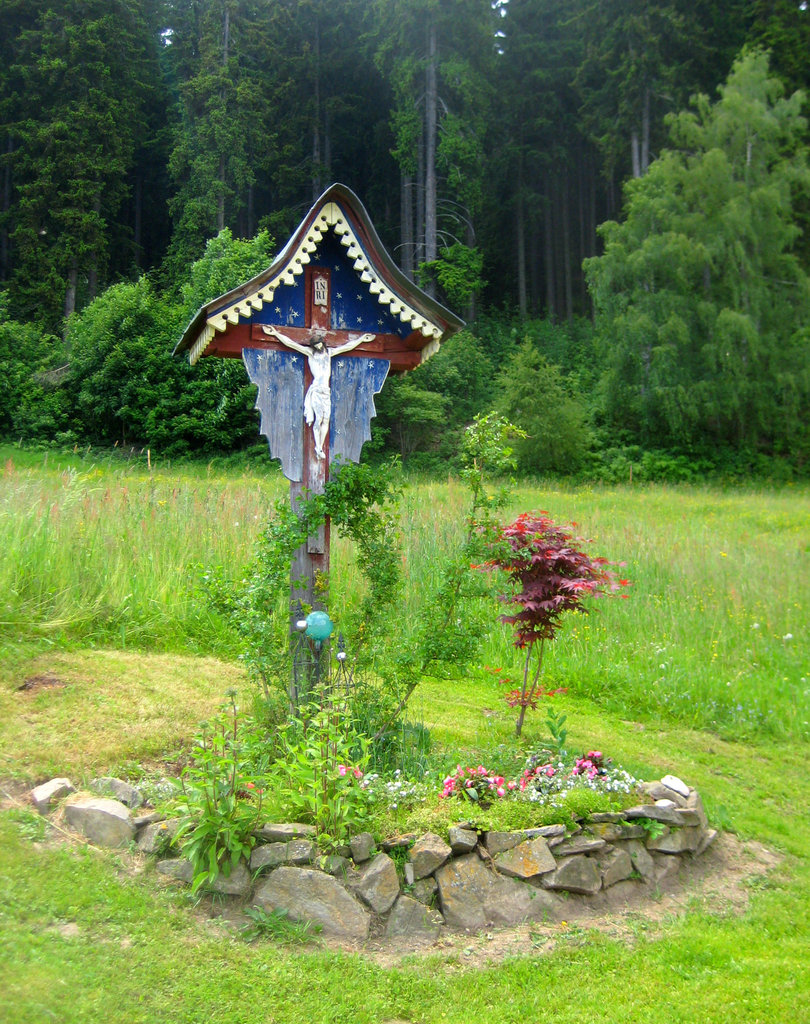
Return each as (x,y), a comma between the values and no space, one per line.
(158,835)
(642,860)
(43,797)
(582,843)
(578,874)
(462,840)
(398,842)
(272,832)
(707,838)
(238,883)
(427,854)
(666,815)
(676,784)
(362,847)
(499,842)
(472,897)
(119,790)
(425,890)
(377,884)
(102,821)
(271,855)
(412,920)
(658,791)
(526,860)
(678,840)
(309,895)
(615,865)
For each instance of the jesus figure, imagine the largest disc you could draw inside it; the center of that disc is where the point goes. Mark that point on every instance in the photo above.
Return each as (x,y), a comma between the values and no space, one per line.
(318,399)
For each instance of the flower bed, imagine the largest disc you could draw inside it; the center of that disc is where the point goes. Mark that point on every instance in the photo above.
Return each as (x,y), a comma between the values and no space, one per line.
(417,885)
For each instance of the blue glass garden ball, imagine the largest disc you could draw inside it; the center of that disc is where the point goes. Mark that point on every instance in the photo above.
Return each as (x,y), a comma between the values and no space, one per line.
(319,626)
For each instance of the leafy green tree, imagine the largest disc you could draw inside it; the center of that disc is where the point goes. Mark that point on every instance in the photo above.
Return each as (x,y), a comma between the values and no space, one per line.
(535,397)
(77,106)
(702,304)
(221,112)
(429,408)
(438,58)
(633,57)
(127,386)
(29,365)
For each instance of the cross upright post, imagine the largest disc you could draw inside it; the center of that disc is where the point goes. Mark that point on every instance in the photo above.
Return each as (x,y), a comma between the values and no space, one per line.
(319,331)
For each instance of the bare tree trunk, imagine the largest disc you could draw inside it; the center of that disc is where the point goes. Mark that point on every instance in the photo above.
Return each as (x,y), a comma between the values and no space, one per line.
(316,113)
(5,255)
(70,291)
(645,133)
(92,272)
(137,220)
(535,263)
(419,233)
(251,212)
(548,254)
(583,229)
(226,38)
(565,198)
(406,225)
(327,144)
(472,302)
(520,231)
(635,154)
(431,122)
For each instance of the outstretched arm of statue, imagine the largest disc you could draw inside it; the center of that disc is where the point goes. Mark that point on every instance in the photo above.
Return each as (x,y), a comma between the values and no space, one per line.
(351,344)
(305,350)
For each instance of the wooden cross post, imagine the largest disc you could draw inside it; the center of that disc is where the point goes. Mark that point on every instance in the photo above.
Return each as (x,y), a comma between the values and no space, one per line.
(309,572)
(359,316)
(324,395)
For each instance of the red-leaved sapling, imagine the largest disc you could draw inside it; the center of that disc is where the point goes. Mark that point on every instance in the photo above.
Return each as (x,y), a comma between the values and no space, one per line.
(550,575)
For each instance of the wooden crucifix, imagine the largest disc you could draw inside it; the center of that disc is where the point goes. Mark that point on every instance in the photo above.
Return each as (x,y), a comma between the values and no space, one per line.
(319,331)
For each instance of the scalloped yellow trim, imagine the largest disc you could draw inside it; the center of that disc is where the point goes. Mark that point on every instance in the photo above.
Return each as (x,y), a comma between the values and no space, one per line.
(330,217)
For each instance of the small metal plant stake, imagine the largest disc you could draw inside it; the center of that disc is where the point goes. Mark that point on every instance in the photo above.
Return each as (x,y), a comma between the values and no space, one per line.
(344,675)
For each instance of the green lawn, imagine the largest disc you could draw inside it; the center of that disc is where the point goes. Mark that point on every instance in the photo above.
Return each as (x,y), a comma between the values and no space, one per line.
(702,673)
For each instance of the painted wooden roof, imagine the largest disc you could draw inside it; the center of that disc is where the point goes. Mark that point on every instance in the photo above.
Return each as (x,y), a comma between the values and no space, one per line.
(369,292)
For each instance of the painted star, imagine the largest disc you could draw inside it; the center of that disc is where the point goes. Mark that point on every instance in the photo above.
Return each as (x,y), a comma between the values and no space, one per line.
(359,319)
(278,310)
(359,297)
(294,314)
(339,295)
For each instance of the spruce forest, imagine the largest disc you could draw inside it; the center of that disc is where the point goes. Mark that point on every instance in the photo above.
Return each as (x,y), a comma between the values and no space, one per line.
(614,195)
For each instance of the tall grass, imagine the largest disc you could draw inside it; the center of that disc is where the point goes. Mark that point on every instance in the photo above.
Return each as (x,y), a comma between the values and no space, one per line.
(109,556)
(714,633)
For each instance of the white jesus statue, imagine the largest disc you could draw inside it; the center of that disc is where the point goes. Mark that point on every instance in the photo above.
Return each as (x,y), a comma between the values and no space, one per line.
(318,399)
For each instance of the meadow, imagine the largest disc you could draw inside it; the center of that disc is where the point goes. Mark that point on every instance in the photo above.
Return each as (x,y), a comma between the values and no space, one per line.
(703,671)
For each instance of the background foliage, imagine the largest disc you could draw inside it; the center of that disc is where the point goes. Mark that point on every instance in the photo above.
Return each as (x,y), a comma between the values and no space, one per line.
(140,138)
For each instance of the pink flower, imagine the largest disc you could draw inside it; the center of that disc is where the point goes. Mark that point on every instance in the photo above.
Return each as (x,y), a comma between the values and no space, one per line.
(342,769)
(511,785)
(501,791)
(357,773)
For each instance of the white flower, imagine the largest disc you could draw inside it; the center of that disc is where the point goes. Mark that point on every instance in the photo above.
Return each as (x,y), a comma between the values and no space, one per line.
(788,636)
